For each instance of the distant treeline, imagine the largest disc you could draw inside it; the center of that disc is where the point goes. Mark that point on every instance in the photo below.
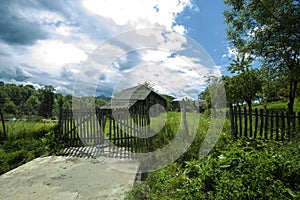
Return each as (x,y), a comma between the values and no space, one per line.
(24,101)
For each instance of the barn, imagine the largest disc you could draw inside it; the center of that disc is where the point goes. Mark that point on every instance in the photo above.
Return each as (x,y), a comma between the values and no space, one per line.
(136,98)
(129,116)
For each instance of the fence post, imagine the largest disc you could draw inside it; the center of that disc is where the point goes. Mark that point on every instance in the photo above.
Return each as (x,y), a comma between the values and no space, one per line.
(231,116)
(250,122)
(272,125)
(294,122)
(288,120)
(266,124)
(240,120)
(235,122)
(277,125)
(261,112)
(282,125)
(246,122)
(256,123)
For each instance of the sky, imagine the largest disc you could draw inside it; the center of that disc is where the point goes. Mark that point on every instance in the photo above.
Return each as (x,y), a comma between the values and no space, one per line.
(98,47)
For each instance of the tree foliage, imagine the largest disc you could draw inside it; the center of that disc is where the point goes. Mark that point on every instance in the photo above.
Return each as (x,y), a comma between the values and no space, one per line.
(47,100)
(26,101)
(268,30)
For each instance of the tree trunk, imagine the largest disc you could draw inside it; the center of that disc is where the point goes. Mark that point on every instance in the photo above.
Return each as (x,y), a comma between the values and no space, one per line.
(292,95)
(3,125)
(249,105)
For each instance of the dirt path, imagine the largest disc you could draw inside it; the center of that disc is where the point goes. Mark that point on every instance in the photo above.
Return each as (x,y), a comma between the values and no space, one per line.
(65,178)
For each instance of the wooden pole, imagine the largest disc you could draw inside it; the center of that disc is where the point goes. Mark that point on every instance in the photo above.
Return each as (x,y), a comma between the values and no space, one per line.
(184,117)
(256,123)
(246,122)
(277,125)
(266,124)
(261,122)
(272,125)
(3,125)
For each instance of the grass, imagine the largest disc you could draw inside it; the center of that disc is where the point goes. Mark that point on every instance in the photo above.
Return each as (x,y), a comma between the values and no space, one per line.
(279,105)
(26,141)
(234,169)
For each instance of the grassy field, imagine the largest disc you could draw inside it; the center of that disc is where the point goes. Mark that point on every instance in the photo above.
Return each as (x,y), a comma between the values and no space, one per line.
(279,105)
(26,141)
(234,169)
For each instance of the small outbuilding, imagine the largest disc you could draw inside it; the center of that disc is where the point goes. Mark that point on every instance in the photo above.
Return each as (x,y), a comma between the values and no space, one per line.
(135,98)
(129,114)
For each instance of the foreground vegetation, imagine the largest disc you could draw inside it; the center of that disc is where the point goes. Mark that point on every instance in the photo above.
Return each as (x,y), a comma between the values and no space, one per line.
(234,169)
(26,141)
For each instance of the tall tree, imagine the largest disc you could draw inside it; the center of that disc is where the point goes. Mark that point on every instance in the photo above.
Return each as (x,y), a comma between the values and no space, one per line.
(47,100)
(32,105)
(274,84)
(268,30)
(245,85)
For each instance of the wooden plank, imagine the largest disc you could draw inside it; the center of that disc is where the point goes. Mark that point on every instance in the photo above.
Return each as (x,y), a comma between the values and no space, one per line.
(294,122)
(245,122)
(235,122)
(256,123)
(114,128)
(266,124)
(288,121)
(282,125)
(92,128)
(127,130)
(98,128)
(240,120)
(261,112)
(272,124)
(250,122)
(277,125)
(131,132)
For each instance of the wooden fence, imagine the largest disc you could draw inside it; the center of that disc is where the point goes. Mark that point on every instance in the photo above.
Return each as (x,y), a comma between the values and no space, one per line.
(129,129)
(81,127)
(263,124)
(119,131)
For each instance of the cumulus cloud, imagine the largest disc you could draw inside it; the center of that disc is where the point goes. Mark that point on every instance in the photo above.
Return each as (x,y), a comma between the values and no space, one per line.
(50,42)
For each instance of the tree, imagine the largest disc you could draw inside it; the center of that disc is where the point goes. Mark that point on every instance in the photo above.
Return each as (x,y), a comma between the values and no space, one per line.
(32,105)
(268,30)
(232,91)
(47,100)
(10,108)
(214,91)
(245,85)
(67,102)
(274,85)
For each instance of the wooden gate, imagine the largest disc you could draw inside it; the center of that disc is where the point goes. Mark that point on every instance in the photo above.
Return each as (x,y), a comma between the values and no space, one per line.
(82,127)
(118,133)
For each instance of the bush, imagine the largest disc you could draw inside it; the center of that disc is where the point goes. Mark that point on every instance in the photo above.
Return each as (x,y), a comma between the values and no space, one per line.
(253,169)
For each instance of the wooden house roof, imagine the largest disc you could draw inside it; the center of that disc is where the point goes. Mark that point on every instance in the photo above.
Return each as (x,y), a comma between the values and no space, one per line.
(128,97)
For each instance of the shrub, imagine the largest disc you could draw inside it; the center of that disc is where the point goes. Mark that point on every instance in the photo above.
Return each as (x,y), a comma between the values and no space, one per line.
(253,169)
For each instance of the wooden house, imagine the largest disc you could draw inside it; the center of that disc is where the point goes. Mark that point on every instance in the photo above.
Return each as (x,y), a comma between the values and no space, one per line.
(136,99)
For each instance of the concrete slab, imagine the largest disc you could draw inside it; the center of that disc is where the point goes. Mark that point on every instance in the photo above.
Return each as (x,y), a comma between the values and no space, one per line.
(58,177)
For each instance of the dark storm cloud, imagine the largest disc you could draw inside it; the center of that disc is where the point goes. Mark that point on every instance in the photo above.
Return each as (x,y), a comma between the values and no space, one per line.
(12,73)
(14,29)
